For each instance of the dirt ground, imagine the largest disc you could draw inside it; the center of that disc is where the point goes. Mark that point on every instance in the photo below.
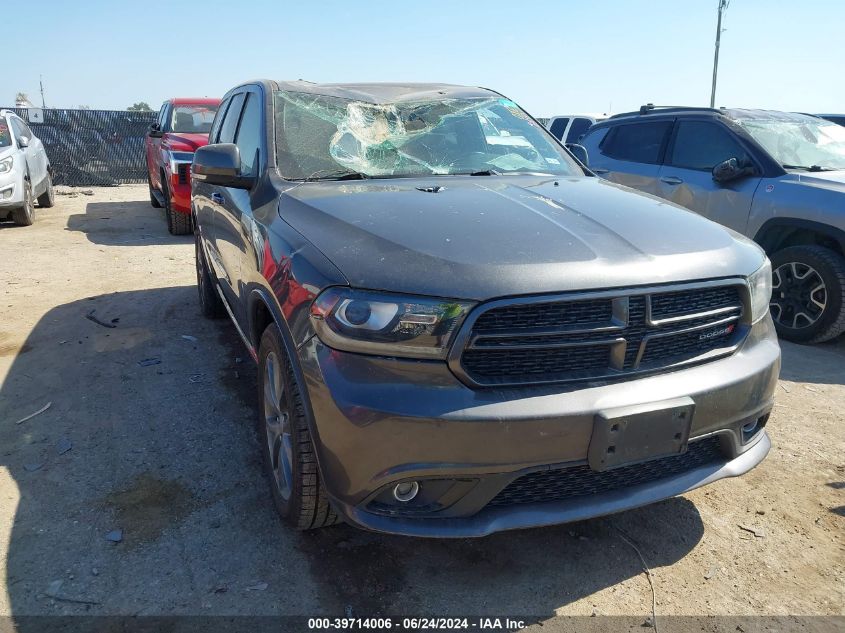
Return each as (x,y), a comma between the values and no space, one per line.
(164,451)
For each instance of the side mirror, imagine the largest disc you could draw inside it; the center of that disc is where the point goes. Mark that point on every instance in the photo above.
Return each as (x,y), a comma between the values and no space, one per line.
(220,164)
(23,142)
(731,169)
(579,152)
(155,131)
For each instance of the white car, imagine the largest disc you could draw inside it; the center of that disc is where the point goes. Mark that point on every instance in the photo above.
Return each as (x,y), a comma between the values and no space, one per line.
(569,128)
(25,173)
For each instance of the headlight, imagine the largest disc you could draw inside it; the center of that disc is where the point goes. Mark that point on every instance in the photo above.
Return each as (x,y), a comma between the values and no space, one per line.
(180,157)
(387,324)
(760,286)
(6,165)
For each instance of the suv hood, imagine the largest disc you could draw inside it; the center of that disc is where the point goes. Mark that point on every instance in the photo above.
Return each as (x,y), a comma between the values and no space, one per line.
(7,151)
(834,180)
(184,142)
(486,236)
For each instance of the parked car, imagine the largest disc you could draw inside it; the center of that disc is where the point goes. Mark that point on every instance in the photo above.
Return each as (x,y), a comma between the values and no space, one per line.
(777,177)
(182,127)
(839,119)
(456,337)
(569,128)
(25,172)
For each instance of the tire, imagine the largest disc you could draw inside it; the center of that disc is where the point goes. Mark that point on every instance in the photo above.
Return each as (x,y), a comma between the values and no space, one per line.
(179,223)
(25,215)
(211,305)
(48,198)
(290,463)
(153,200)
(808,294)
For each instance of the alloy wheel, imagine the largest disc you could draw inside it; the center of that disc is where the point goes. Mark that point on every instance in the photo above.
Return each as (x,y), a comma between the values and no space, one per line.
(277,425)
(799,295)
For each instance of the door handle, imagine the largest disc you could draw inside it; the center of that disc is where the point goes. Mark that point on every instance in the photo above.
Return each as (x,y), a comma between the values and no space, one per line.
(596,170)
(217,197)
(671,180)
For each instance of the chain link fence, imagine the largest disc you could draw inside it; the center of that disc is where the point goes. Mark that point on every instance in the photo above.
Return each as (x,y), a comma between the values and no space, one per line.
(92,147)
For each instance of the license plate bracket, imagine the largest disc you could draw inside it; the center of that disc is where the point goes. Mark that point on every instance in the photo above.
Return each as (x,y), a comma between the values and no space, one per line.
(629,435)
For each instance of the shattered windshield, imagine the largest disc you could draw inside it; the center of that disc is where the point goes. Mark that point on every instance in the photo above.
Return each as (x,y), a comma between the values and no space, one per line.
(321,137)
(799,141)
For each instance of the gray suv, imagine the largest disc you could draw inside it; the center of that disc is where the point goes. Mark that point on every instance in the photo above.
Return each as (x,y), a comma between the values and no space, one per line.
(458,329)
(776,177)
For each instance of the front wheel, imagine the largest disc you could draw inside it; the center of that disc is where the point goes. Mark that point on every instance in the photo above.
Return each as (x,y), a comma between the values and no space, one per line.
(290,463)
(25,215)
(808,294)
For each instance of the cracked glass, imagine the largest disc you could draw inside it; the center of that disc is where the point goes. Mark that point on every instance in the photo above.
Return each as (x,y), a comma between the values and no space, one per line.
(321,137)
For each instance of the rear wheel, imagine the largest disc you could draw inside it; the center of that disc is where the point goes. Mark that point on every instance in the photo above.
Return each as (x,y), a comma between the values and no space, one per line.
(25,215)
(808,294)
(288,450)
(48,198)
(211,304)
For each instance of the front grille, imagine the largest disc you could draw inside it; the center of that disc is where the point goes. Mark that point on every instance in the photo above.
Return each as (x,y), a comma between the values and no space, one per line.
(184,170)
(580,481)
(544,340)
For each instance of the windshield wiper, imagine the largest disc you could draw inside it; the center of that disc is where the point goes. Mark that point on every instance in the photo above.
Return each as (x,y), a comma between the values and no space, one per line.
(338,175)
(808,167)
(486,172)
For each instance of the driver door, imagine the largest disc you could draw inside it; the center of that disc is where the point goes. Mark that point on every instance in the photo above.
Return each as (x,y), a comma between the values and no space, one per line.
(686,175)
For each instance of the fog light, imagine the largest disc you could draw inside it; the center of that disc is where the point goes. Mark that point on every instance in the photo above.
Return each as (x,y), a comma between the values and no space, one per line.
(406,491)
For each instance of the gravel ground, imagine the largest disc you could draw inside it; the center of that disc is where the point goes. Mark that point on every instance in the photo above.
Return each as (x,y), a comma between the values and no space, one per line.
(162,455)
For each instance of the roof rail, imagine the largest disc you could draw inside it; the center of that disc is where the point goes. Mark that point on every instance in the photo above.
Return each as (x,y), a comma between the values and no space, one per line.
(650,108)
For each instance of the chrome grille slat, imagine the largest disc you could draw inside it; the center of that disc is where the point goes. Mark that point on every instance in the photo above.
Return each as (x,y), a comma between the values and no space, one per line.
(608,334)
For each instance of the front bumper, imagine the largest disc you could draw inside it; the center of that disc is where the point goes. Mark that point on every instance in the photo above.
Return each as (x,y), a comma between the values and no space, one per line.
(380,421)
(11,188)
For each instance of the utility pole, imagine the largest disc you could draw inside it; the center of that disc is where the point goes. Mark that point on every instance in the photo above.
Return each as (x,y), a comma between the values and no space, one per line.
(41,83)
(723,5)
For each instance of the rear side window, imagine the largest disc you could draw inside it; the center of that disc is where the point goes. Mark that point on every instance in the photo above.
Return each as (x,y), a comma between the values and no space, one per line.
(703,145)
(230,121)
(558,127)
(637,142)
(249,134)
(577,129)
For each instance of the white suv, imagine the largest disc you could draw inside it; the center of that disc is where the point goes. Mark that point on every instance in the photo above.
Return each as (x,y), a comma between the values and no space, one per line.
(25,173)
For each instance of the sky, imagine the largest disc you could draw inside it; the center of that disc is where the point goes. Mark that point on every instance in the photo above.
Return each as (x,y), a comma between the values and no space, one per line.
(552,57)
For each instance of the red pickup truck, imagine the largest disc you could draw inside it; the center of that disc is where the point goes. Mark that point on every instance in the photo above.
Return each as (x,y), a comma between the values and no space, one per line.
(182,127)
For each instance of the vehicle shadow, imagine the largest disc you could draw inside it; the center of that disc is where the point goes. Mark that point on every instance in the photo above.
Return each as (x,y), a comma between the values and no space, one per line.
(822,364)
(124,223)
(139,491)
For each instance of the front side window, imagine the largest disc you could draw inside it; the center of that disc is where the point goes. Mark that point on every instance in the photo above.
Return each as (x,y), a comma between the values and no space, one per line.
(637,142)
(703,145)
(578,128)
(5,134)
(249,134)
(192,119)
(799,142)
(323,137)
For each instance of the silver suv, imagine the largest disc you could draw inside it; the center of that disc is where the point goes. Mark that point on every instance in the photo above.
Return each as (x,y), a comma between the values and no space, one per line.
(777,177)
(25,173)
